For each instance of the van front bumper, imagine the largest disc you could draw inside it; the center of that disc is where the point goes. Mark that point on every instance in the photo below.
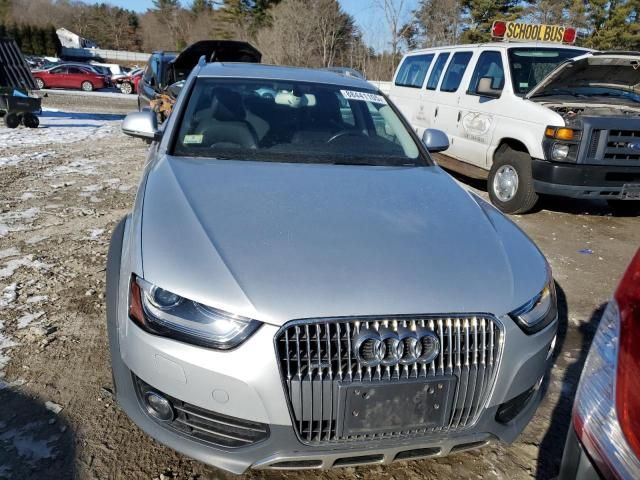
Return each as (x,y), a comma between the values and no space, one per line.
(583,181)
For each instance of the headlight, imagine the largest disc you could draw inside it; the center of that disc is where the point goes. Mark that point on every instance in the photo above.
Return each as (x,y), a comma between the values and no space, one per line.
(559,152)
(164,313)
(539,312)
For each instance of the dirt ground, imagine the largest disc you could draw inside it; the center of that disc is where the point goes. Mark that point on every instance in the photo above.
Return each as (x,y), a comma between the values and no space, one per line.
(63,189)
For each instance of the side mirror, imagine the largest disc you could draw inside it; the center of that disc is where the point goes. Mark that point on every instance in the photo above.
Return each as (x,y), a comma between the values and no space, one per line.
(142,125)
(485,88)
(435,140)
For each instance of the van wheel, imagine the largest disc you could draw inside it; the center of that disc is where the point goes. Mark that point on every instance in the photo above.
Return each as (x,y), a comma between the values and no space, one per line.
(87,86)
(510,181)
(624,207)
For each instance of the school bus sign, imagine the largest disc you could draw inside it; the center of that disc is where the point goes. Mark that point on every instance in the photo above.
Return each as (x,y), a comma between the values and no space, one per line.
(532,32)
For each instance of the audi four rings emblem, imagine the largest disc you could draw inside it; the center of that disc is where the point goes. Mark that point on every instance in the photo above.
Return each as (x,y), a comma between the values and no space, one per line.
(388,347)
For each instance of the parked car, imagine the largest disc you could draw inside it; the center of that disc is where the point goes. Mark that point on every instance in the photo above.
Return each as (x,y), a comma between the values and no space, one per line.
(302,287)
(604,438)
(69,76)
(129,83)
(167,68)
(531,118)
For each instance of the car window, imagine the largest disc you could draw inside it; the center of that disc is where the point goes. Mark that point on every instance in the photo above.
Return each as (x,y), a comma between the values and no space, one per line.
(530,65)
(413,71)
(75,70)
(152,68)
(455,71)
(489,65)
(434,78)
(297,122)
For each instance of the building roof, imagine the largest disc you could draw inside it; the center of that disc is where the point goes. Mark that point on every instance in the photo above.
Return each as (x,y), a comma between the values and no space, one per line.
(276,72)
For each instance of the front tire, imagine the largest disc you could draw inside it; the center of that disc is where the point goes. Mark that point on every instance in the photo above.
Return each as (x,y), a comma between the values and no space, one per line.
(87,86)
(510,182)
(126,88)
(39,83)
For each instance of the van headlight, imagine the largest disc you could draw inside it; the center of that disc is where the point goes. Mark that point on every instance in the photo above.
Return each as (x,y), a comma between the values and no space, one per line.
(539,312)
(167,314)
(560,152)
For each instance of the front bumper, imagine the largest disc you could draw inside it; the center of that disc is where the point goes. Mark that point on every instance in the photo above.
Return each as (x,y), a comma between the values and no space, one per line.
(245,383)
(582,181)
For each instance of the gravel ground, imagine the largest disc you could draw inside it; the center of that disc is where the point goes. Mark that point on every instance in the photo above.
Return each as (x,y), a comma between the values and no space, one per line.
(62,190)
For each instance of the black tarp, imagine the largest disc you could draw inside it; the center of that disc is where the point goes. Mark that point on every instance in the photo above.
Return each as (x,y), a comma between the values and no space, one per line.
(14,70)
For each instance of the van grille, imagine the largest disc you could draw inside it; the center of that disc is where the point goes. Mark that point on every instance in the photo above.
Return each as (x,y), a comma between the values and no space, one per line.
(623,145)
(316,356)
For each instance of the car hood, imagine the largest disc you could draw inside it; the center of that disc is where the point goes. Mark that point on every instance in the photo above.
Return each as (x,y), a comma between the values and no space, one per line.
(277,241)
(614,70)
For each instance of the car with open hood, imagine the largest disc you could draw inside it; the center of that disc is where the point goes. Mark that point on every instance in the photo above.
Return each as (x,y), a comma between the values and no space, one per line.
(300,286)
(531,118)
(165,69)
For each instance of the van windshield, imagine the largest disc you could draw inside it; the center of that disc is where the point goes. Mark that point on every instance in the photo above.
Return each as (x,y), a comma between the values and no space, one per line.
(299,122)
(530,65)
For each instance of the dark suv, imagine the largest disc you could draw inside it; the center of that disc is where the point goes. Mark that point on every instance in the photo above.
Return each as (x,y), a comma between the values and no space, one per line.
(166,68)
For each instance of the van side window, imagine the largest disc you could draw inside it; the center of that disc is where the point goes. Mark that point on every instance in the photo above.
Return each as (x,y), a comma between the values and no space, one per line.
(455,71)
(413,71)
(434,78)
(489,65)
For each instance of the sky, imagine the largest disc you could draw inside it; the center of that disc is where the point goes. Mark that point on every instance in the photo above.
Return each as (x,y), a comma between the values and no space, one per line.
(368,15)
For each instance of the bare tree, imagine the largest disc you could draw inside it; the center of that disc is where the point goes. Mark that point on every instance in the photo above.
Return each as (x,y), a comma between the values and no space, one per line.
(394,13)
(438,22)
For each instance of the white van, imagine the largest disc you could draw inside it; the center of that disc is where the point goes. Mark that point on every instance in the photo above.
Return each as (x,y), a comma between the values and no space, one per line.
(532,118)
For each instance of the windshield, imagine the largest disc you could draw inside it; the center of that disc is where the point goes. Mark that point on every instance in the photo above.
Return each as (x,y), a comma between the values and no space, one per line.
(297,122)
(530,65)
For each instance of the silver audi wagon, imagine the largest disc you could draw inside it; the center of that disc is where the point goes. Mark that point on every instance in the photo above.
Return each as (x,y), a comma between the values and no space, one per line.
(299,285)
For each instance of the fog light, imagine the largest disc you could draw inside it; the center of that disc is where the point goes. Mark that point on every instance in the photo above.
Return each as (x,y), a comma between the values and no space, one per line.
(158,406)
(560,152)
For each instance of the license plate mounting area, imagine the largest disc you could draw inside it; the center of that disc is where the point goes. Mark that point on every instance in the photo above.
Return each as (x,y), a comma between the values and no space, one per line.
(370,407)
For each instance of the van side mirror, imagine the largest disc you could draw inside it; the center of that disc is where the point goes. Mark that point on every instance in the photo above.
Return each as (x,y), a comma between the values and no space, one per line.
(486,88)
(142,124)
(435,140)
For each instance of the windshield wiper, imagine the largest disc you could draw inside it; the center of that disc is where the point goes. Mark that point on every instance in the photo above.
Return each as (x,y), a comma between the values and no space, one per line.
(558,91)
(627,95)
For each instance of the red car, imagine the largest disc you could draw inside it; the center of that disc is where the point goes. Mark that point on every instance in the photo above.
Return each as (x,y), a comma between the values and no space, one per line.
(69,76)
(604,439)
(129,83)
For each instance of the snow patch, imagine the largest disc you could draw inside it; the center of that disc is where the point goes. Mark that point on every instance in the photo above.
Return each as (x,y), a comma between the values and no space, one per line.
(27,261)
(11,221)
(9,294)
(9,252)
(30,448)
(95,233)
(13,160)
(27,319)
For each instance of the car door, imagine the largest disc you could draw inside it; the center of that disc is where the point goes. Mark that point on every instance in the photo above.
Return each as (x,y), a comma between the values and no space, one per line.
(408,82)
(447,99)
(75,77)
(478,112)
(149,82)
(57,77)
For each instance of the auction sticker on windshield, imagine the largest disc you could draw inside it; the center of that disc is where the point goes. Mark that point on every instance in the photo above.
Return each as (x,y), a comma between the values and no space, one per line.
(363,96)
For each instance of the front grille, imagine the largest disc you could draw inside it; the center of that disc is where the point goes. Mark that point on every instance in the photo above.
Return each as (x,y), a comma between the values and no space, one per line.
(316,356)
(623,145)
(211,427)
